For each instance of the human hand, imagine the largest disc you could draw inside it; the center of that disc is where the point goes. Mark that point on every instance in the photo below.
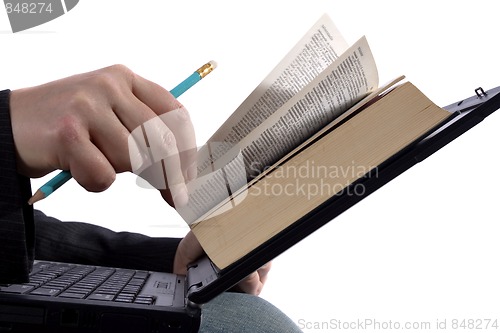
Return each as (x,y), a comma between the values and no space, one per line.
(83,124)
(190,250)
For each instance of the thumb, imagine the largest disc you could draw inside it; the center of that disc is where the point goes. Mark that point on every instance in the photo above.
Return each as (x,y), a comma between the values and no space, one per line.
(188,251)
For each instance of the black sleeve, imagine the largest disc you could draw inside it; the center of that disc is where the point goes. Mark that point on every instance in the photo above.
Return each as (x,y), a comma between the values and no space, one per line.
(85,243)
(16,216)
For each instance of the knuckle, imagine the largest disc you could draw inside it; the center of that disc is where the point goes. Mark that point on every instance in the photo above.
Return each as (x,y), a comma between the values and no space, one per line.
(177,114)
(110,79)
(168,141)
(69,130)
(166,146)
(120,68)
(123,72)
(183,117)
(170,146)
(82,101)
(105,81)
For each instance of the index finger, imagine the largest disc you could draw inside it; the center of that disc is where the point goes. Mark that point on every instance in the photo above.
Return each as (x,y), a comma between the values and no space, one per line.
(174,115)
(154,96)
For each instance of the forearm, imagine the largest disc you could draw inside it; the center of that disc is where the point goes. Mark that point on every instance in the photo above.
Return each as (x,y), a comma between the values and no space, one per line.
(85,243)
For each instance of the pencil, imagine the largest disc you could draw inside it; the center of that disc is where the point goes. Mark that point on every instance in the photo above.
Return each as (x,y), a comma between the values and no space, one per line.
(62,177)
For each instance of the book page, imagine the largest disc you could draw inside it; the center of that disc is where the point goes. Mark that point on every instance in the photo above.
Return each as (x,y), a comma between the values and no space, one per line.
(340,86)
(317,50)
(344,83)
(251,145)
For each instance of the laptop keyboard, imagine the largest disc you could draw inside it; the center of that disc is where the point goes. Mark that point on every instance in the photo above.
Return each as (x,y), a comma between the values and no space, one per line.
(84,282)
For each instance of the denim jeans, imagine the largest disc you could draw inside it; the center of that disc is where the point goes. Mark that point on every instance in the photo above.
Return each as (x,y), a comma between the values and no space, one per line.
(243,313)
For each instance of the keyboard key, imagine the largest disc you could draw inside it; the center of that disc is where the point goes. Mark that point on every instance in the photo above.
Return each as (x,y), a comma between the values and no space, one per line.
(136,282)
(107,290)
(45,292)
(79,290)
(72,295)
(17,288)
(124,299)
(56,285)
(141,275)
(101,297)
(144,300)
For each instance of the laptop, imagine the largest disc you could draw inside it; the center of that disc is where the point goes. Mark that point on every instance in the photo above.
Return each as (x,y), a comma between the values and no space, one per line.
(65,297)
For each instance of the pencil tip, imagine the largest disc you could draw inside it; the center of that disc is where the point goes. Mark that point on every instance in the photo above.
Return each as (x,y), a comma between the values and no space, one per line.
(39,195)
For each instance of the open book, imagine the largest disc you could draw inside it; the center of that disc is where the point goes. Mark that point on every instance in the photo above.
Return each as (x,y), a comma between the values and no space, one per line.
(315,124)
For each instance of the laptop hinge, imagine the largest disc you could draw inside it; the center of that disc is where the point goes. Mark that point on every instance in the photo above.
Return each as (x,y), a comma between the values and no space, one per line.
(200,274)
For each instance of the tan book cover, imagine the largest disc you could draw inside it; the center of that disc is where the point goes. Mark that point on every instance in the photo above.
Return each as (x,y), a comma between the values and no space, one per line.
(315,173)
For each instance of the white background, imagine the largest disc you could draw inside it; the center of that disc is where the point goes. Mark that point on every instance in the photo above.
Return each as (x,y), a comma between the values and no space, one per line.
(423,248)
